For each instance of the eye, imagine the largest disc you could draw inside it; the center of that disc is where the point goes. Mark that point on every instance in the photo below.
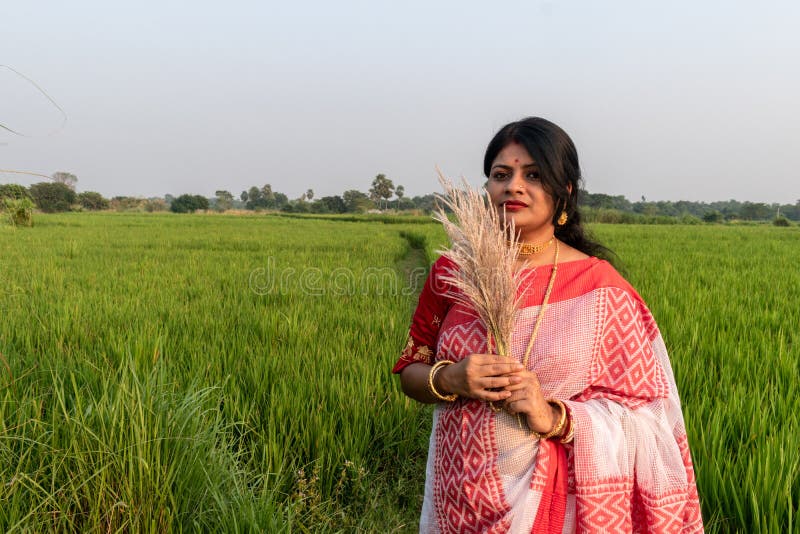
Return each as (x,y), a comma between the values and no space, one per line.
(533,176)
(499,175)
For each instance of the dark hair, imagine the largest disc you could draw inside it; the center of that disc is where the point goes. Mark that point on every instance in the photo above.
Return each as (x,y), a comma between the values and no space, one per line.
(555,154)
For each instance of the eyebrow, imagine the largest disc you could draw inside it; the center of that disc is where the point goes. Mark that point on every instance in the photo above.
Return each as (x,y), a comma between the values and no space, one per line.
(500,165)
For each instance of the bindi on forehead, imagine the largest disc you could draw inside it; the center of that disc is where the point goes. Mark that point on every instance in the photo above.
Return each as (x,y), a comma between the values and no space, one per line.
(516,160)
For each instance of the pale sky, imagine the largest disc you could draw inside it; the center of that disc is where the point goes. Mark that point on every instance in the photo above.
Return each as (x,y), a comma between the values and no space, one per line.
(667,100)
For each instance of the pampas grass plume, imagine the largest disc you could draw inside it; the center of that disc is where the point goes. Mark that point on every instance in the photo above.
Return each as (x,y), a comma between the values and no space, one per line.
(485,276)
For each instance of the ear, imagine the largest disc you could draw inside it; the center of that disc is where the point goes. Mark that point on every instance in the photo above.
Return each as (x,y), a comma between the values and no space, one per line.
(569,189)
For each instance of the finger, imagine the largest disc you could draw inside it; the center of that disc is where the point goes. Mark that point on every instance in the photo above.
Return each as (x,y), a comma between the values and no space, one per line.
(524,400)
(488,359)
(532,387)
(528,376)
(495,382)
(522,386)
(519,392)
(494,396)
(499,369)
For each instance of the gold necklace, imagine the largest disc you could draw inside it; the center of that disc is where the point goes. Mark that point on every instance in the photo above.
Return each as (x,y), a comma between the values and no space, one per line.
(527,249)
(539,316)
(537,324)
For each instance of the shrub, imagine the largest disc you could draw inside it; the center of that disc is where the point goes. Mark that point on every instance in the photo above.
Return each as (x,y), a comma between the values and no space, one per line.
(713,216)
(91,200)
(189,204)
(295,206)
(15,191)
(122,203)
(780,220)
(155,204)
(53,197)
(20,211)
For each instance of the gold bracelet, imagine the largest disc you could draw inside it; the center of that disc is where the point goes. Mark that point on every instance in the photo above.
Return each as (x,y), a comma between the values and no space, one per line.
(556,430)
(570,435)
(435,369)
(570,427)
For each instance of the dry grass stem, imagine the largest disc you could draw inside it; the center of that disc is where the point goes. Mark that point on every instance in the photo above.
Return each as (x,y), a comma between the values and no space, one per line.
(485,276)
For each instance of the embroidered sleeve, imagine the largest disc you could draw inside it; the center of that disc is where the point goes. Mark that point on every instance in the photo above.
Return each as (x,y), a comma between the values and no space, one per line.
(426,322)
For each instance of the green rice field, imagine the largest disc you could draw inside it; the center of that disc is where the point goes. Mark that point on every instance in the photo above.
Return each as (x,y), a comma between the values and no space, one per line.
(171,373)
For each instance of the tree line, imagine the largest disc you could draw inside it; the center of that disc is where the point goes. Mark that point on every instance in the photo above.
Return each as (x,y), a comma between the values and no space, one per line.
(59,195)
(718,211)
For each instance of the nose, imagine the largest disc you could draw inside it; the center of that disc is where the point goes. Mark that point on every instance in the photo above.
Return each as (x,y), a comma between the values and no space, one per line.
(516,183)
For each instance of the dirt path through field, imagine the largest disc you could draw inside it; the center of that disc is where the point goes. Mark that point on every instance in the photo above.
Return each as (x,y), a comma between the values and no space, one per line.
(414,265)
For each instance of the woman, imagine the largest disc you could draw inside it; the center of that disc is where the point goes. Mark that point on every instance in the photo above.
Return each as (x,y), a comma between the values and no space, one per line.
(603,447)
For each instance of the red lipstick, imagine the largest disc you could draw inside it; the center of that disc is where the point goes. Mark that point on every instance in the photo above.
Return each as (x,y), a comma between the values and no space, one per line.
(514,205)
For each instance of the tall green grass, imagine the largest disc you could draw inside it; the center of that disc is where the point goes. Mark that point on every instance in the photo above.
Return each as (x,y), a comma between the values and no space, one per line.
(191,373)
(726,301)
(120,330)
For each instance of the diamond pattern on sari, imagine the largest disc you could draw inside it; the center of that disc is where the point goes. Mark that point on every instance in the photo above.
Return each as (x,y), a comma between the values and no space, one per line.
(626,363)
(468,490)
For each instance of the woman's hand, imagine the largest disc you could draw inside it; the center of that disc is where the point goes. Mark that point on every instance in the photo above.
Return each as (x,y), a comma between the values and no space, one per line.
(526,398)
(481,376)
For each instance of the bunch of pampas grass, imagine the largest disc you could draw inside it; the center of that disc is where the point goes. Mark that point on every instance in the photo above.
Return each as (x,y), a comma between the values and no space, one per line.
(483,249)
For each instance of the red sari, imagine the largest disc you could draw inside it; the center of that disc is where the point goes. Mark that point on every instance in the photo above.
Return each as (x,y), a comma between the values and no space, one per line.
(599,350)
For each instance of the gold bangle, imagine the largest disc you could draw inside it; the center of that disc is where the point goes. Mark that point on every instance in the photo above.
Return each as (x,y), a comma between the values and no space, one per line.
(569,427)
(570,435)
(435,369)
(559,427)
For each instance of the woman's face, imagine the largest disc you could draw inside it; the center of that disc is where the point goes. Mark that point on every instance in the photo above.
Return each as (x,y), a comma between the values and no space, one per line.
(515,184)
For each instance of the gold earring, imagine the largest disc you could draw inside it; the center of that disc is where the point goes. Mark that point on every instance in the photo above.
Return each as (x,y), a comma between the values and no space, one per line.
(562,219)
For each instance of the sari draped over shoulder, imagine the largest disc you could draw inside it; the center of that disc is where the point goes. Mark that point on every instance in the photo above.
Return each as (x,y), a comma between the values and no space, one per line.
(628,468)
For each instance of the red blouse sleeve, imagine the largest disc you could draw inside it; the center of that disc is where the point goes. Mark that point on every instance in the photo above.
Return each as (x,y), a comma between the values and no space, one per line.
(431,309)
